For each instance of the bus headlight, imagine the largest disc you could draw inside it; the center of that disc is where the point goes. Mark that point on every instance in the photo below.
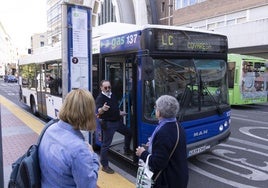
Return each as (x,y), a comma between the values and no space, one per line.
(225,124)
(221,128)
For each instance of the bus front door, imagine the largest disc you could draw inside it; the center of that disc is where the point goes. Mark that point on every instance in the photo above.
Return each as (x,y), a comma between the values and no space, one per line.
(119,72)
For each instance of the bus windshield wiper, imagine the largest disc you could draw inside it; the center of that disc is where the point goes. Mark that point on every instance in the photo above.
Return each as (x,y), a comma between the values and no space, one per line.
(200,93)
(185,98)
(214,100)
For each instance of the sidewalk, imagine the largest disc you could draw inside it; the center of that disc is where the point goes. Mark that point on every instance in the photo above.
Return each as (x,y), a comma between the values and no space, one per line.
(16,139)
(20,130)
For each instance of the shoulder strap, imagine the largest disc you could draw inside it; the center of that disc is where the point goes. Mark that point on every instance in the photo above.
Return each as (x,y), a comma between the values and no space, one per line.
(177,141)
(45,128)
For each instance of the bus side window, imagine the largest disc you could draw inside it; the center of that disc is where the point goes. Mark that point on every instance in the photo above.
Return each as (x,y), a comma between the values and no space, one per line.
(56,87)
(54,81)
(231,74)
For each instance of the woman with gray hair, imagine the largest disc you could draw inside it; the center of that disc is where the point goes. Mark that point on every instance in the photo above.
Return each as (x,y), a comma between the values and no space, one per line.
(167,106)
(167,162)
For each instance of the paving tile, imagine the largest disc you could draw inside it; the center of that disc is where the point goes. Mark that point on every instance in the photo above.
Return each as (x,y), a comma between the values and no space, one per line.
(16,139)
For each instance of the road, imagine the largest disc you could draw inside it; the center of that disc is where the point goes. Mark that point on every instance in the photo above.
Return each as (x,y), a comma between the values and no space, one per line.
(243,160)
(240,162)
(11,92)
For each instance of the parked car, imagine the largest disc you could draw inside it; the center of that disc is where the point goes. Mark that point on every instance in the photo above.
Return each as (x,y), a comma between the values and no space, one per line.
(11,79)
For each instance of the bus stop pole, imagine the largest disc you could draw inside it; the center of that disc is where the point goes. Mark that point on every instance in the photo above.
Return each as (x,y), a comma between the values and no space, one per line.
(1,153)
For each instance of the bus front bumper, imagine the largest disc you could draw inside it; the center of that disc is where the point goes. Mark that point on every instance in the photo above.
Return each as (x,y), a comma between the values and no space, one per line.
(206,145)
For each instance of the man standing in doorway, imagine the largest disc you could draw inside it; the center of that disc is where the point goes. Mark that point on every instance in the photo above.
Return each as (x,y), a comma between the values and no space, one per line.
(110,114)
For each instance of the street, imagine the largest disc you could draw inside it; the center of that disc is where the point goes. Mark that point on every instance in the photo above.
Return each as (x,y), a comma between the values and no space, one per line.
(241,162)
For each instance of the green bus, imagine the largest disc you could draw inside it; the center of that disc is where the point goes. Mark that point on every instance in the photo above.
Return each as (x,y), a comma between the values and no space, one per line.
(248,77)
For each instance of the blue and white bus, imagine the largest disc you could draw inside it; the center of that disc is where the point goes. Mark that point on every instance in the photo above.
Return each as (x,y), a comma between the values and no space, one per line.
(143,63)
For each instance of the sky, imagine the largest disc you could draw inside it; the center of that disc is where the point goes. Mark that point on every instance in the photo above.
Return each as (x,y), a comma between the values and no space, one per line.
(23,18)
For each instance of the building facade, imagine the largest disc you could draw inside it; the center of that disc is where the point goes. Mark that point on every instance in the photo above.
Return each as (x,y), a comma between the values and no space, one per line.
(54,18)
(8,54)
(38,40)
(234,18)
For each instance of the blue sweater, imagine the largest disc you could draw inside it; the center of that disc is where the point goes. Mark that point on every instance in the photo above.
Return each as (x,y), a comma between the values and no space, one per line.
(175,170)
(65,159)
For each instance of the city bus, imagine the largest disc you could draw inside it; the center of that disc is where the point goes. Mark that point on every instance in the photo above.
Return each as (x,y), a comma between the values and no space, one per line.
(247,79)
(143,63)
(153,60)
(40,81)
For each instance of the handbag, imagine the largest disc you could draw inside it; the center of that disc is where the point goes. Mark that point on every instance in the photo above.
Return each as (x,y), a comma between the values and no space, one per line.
(144,174)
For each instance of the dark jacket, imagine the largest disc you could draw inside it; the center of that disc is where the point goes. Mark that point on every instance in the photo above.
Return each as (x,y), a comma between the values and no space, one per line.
(113,114)
(175,170)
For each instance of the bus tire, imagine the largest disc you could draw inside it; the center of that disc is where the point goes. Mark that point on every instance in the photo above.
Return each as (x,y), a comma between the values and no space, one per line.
(20,94)
(33,107)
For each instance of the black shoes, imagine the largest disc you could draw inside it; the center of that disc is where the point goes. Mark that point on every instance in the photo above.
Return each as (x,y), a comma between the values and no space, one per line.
(108,170)
(128,152)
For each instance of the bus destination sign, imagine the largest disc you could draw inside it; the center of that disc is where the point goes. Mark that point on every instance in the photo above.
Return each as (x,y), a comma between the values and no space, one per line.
(125,42)
(175,40)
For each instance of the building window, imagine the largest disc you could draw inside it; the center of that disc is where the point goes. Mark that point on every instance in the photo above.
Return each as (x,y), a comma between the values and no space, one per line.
(107,13)
(203,27)
(192,2)
(220,24)
(211,26)
(241,20)
(230,22)
(163,7)
(42,44)
(184,3)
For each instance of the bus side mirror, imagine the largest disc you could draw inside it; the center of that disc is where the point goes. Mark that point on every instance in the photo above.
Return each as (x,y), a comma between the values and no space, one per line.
(147,68)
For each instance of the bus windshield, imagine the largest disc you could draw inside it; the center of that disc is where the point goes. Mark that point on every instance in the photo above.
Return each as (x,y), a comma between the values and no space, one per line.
(200,85)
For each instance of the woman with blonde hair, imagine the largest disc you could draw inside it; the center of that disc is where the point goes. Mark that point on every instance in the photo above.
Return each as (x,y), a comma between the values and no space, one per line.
(66,159)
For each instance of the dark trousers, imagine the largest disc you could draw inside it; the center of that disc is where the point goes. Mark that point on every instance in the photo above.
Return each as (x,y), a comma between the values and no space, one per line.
(107,138)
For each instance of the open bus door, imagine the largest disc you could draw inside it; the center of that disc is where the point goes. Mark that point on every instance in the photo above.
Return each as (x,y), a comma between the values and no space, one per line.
(119,72)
